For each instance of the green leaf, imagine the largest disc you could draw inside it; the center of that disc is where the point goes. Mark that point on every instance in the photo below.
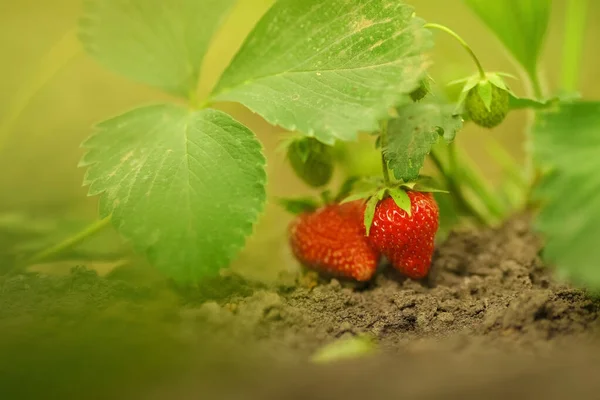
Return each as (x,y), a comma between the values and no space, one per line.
(184,186)
(370,213)
(160,43)
(401,199)
(344,349)
(517,103)
(567,144)
(299,206)
(413,132)
(330,68)
(485,92)
(346,188)
(357,196)
(519,24)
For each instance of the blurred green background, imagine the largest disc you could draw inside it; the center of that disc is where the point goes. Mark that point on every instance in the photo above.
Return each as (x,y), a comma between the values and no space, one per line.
(38,160)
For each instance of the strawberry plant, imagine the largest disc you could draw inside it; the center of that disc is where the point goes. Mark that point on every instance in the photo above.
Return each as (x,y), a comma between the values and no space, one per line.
(185,182)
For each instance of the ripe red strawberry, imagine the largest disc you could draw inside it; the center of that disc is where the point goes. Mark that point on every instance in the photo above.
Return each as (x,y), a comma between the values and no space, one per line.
(407,241)
(332,240)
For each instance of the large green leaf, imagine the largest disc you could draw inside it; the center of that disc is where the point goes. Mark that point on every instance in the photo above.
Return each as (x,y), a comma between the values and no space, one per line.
(328,68)
(412,133)
(184,186)
(519,24)
(567,145)
(160,43)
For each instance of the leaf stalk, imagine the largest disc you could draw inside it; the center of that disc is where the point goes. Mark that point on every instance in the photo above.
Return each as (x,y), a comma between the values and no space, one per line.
(462,42)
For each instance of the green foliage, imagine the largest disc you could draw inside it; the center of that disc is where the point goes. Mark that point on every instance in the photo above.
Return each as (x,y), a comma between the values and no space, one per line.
(328,69)
(345,348)
(519,24)
(566,145)
(311,160)
(412,133)
(299,206)
(517,103)
(487,104)
(184,186)
(401,199)
(160,43)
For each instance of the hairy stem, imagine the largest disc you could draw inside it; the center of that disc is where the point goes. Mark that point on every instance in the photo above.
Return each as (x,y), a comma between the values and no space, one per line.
(462,42)
(384,166)
(573,43)
(70,242)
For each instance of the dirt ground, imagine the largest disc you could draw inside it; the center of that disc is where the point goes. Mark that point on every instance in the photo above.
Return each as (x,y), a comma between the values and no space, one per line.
(490,322)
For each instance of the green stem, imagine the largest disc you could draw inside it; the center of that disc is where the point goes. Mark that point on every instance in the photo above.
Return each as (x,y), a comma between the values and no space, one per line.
(575,19)
(71,242)
(468,173)
(462,42)
(456,191)
(384,166)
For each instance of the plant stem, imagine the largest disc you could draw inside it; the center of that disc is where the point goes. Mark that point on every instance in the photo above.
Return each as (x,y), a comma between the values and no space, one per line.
(384,166)
(468,173)
(462,42)
(71,242)
(456,191)
(575,19)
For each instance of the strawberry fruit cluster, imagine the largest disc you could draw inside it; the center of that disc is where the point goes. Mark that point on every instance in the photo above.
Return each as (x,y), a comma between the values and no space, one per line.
(334,240)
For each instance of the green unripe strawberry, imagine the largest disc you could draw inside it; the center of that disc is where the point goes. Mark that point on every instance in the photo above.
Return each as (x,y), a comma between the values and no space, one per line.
(311,160)
(420,92)
(487,104)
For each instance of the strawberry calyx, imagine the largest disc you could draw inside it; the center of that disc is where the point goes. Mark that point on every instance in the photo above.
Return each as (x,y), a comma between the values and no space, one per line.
(484,88)
(398,192)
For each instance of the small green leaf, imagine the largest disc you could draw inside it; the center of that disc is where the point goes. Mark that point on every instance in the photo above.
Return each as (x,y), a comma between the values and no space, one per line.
(330,68)
(429,189)
(370,213)
(183,186)
(567,143)
(484,89)
(519,24)
(413,132)
(344,349)
(401,199)
(346,188)
(496,80)
(517,103)
(160,43)
(299,206)
(357,196)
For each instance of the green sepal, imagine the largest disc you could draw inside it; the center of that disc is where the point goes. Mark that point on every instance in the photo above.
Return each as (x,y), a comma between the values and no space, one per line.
(401,199)
(346,188)
(370,213)
(484,89)
(357,196)
(299,205)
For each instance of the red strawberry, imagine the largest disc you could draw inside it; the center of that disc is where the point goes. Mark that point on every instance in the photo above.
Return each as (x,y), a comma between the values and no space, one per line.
(332,240)
(407,241)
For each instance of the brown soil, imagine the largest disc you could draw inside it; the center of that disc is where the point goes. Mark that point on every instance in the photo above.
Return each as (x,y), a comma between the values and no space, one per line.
(490,320)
